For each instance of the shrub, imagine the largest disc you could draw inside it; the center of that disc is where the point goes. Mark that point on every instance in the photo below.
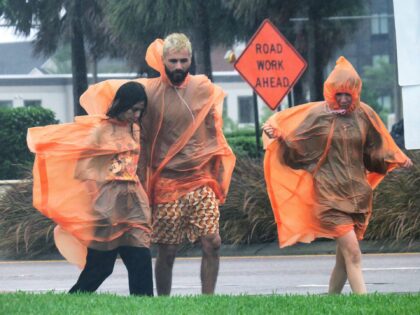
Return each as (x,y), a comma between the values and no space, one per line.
(396,214)
(24,232)
(243,143)
(14,123)
(244,146)
(246,217)
(245,132)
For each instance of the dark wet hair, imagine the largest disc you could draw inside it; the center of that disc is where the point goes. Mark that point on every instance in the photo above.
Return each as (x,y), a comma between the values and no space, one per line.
(127,96)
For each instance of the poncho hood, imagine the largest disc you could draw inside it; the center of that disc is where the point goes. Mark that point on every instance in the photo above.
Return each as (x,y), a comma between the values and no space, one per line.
(343,79)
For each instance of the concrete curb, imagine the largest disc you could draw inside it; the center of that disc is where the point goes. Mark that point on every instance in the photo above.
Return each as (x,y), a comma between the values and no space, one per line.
(321,247)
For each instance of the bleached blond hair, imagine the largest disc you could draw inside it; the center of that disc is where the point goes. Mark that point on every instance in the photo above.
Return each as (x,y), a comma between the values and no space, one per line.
(176,42)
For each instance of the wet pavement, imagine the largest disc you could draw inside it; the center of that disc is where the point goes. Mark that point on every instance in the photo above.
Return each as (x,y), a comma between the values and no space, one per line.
(279,274)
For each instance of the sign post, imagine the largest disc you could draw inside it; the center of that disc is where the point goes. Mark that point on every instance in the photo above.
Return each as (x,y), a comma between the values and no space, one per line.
(257,123)
(271,66)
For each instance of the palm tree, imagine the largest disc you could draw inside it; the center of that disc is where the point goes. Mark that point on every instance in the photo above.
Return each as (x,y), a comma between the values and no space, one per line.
(78,56)
(100,41)
(325,34)
(58,21)
(139,22)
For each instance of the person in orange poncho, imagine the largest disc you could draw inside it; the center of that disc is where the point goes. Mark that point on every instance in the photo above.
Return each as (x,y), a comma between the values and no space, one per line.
(186,161)
(85,181)
(322,162)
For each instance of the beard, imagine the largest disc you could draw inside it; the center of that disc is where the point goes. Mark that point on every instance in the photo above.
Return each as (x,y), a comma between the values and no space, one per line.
(177,76)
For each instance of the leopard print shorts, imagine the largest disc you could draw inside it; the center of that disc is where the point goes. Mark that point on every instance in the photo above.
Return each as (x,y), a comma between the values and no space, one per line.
(193,215)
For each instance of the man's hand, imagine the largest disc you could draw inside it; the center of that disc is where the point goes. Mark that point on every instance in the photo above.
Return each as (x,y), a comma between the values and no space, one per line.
(270,131)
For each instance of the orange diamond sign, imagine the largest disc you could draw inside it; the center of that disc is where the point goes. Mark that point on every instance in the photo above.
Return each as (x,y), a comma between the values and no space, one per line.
(270,64)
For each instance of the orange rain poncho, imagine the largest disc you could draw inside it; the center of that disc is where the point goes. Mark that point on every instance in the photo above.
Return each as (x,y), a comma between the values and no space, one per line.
(184,146)
(321,172)
(181,149)
(85,180)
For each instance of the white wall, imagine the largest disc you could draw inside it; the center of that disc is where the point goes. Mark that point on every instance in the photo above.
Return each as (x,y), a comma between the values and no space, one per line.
(55,93)
(234,90)
(54,97)
(407,29)
(237,89)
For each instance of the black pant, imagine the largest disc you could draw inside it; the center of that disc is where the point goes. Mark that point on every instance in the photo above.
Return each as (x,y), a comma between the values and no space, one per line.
(100,264)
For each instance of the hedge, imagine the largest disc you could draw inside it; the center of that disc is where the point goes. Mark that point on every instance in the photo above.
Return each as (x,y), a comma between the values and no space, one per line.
(243,143)
(14,123)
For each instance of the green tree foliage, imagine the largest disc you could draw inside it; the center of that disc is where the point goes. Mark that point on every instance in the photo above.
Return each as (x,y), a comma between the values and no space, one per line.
(378,80)
(60,61)
(64,21)
(326,30)
(101,41)
(14,123)
(138,23)
(54,21)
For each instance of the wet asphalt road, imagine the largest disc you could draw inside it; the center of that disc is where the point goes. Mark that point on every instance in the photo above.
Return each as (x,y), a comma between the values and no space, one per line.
(238,275)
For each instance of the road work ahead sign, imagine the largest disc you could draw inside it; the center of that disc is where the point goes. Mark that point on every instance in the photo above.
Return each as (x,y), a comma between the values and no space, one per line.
(270,64)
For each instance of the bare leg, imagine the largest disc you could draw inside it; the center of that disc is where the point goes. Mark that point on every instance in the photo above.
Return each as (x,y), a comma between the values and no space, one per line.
(163,268)
(350,249)
(339,274)
(210,262)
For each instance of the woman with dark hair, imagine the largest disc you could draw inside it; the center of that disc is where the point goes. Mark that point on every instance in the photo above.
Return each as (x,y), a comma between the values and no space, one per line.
(85,181)
(130,96)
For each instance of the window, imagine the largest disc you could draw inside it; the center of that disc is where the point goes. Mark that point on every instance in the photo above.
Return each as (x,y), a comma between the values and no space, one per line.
(246,109)
(385,102)
(32,103)
(378,59)
(379,24)
(6,103)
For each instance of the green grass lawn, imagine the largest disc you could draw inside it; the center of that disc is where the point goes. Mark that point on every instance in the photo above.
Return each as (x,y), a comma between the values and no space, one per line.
(54,303)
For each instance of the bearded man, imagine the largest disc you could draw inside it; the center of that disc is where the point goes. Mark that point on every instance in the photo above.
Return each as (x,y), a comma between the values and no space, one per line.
(186,163)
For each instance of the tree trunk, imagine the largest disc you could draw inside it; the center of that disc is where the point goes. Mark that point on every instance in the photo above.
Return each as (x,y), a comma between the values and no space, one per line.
(78,58)
(298,93)
(316,60)
(202,40)
(318,79)
(95,68)
(301,45)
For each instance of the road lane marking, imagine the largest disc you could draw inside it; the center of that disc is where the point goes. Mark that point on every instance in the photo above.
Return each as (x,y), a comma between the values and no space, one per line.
(312,286)
(391,268)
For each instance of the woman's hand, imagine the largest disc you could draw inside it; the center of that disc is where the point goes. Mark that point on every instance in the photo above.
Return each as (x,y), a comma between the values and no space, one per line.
(408,163)
(91,187)
(270,131)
